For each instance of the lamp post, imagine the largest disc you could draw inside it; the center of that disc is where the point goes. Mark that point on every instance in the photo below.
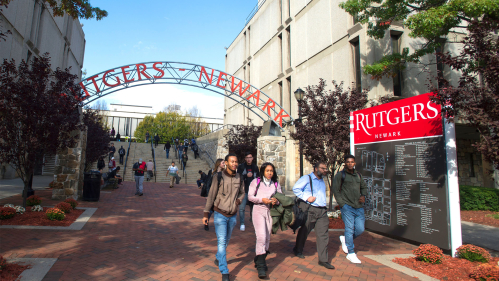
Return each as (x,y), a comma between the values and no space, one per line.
(299,97)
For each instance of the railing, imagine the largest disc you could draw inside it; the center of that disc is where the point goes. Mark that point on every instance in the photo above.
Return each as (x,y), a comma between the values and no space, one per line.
(228,126)
(153,159)
(201,151)
(254,11)
(126,159)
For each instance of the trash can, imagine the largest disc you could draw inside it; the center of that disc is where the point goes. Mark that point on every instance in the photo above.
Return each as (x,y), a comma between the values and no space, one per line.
(91,186)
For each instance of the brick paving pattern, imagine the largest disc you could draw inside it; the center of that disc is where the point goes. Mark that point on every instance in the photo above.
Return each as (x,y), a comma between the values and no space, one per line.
(159,236)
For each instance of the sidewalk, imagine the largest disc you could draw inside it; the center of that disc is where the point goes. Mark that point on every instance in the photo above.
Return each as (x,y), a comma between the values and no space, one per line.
(12,187)
(159,236)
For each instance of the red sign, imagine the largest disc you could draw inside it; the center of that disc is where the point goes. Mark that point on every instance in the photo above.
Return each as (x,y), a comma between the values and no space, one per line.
(409,118)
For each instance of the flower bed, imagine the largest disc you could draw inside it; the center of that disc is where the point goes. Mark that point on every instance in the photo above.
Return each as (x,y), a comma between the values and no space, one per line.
(481,217)
(40,218)
(431,262)
(10,271)
(336,223)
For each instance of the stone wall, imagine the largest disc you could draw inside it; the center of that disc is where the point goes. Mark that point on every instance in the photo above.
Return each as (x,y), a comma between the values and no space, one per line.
(213,145)
(273,149)
(69,168)
(469,162)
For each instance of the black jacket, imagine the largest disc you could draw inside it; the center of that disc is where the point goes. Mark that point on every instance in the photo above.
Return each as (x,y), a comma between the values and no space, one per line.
(121,151)
(207,184)
(167,146)
(243,169)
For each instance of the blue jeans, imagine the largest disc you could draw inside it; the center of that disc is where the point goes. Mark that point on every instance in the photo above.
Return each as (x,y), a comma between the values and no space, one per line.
(354,220)
(242,209)
(139,181)
(223,229)
(167,153)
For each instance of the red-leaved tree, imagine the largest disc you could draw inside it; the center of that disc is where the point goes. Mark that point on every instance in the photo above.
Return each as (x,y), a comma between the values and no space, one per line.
(242,139)
(324,132)
(475,98)
(97,137)
(39,110)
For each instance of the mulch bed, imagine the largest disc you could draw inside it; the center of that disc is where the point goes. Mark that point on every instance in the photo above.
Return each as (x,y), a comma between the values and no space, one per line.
(450,269)
(12,271)
(336,224)
(480,217)
(40,219)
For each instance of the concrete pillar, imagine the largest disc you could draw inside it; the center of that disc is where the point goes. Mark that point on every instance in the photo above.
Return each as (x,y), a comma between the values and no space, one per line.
(273,149)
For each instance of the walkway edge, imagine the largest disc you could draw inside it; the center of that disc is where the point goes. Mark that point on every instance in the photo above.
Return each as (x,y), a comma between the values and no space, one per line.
(77,225)
(387,260)
(39,267)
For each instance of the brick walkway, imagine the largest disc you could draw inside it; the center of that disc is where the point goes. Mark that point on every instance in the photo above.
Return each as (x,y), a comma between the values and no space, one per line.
(160,237)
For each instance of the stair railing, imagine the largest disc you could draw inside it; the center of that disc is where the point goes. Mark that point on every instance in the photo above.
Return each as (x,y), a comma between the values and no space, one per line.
(154,159)
(126,159)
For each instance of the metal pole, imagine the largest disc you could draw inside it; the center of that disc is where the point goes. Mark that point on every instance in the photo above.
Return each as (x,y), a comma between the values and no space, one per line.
(301,145)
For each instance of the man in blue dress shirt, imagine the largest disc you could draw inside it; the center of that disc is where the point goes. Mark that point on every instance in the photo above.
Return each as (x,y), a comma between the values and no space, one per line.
(313,199)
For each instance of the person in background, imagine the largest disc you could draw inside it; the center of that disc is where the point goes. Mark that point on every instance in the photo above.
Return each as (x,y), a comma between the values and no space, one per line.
(195,149)
(224,198)
(101,164)
(156,140)
(122,153)
(248,171)
(150,168)
(312,200)
(112,164)
(202,178)
(180,151)
(167,149)
(118,137)
(139,169)
(173,173)
(219,167)
(350,193)
(113,132)
(112,150)
(261,191)
(113,178)
(147,136)
(184,159)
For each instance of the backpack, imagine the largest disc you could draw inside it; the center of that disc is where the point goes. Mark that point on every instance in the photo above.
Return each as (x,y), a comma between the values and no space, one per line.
(300,216)
(137,166)
(258,181)
(110,165)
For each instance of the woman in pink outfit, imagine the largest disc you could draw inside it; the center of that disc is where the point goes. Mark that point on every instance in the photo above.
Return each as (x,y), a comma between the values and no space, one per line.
(260,192)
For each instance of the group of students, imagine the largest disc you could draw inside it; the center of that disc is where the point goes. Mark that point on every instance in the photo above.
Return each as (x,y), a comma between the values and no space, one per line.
(229,186)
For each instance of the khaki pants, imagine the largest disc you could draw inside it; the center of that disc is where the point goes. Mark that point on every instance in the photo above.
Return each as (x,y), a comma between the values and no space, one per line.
(172,180)
(317,219)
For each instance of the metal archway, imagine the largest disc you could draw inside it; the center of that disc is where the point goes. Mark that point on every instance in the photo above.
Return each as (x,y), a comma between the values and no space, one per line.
(181,73)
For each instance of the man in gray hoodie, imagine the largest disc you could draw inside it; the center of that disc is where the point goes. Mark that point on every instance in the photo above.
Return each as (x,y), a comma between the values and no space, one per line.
(225,196)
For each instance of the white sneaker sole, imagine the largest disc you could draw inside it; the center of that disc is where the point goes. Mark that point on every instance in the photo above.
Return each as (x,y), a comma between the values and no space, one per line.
(356,262)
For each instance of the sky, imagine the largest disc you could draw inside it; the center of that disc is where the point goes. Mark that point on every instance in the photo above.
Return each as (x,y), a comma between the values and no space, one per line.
(193,31)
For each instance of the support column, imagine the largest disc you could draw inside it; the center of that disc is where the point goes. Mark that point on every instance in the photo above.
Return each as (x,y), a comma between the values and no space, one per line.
(273,149)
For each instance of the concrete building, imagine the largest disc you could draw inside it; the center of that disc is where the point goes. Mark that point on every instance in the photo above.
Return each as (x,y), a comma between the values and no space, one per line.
(36,31)
(291,44)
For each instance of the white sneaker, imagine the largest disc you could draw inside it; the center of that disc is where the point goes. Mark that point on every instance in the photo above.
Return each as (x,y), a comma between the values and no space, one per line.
(243,228)
(343,244)
(353,258)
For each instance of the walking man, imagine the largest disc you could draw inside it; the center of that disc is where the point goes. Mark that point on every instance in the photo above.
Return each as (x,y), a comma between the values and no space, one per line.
(156,140)
(184,159)
(248,172)
(350,191)
(150,168)
(112,150)
(139,169)
(180,150)
(167,149)
(147,136)
(228,193)
(311,192)
(122,153)
(173,172)
(195,149)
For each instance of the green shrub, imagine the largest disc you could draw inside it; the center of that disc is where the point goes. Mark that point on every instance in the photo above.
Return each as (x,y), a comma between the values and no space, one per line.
(473,253)
(475,198)
(33,200)
(55,214)
(429,253)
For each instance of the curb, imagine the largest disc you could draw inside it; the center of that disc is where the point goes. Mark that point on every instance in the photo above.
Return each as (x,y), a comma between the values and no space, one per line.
(387,260)
(76,225)
(39,267)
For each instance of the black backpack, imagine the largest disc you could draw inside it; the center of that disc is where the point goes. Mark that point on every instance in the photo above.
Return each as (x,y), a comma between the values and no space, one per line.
(300,216)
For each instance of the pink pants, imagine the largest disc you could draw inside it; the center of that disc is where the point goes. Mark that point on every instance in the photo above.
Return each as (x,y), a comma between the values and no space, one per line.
(262,221)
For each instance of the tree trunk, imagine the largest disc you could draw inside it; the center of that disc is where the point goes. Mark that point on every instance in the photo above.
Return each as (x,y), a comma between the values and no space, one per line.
(28,188)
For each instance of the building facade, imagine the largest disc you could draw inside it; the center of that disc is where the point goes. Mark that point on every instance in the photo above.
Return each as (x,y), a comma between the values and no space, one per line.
(36,31)
(291,44)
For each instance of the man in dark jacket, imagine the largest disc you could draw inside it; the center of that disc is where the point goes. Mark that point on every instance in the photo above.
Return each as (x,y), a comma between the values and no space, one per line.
(122,153)
(112,150)
(167,149)
(350,191)
(248,171)
(202,178)
(195,148)
(156,140)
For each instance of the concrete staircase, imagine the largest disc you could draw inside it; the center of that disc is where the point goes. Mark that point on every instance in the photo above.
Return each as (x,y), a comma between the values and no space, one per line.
(143,150)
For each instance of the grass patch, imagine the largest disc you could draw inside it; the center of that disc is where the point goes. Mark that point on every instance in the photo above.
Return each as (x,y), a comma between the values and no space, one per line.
(495,216)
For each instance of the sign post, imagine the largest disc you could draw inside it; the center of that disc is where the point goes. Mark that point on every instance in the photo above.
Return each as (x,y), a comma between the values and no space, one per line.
(407,157)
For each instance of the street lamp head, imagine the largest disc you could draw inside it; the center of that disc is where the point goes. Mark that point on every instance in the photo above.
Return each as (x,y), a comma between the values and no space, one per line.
(299,94)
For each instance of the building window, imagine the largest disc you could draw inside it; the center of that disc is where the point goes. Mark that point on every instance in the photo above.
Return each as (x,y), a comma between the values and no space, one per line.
(355,19)
(440,65)
(472,165)
(290,93)
(289,8)
(281,99)
(356,63)
(288,35)
(397,78)
(280,51)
